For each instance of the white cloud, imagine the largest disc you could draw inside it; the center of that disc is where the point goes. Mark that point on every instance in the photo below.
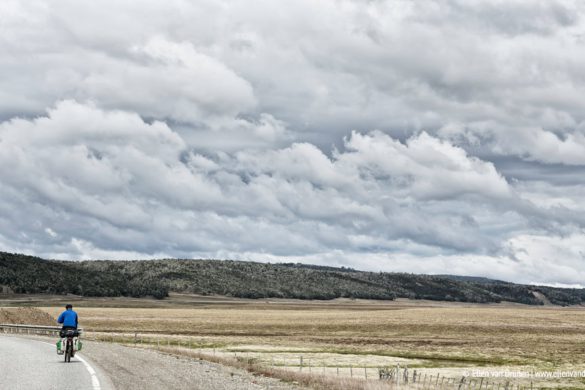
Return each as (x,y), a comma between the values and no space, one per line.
(169,80)
(51,232)
(543,256)
(107,183)
(536,144)
(427,166)
(431,135)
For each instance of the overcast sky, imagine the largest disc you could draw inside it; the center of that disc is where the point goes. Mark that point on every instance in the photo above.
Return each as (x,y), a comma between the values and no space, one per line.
(420,136)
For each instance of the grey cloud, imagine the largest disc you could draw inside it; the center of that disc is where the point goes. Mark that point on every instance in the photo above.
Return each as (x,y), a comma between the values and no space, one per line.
(517,169)
(423,136)
(376,181)
(507,17)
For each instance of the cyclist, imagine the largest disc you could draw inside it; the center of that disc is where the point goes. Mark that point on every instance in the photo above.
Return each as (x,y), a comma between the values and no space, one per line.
(70,320)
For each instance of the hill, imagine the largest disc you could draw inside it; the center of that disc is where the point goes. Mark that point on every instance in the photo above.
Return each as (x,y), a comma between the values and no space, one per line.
(25,315)
(474,279)
(27,274)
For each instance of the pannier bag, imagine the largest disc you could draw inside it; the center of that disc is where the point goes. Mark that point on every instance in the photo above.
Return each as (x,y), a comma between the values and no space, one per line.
(77,345)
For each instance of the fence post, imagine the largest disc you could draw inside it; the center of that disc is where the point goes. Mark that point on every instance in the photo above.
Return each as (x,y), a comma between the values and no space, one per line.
(301,364)
(462,382)
(366,372)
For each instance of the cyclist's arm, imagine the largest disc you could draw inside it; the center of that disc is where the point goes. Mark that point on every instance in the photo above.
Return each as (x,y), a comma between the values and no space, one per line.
(61,319)
(76,320)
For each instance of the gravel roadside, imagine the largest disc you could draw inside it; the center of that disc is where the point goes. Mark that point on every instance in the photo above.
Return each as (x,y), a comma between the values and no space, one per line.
(142,369)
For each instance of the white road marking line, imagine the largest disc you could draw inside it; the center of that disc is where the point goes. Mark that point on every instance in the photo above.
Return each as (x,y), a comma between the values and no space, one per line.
(95,382)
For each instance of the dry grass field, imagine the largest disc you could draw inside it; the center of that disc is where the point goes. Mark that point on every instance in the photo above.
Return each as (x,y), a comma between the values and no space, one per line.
(357,337)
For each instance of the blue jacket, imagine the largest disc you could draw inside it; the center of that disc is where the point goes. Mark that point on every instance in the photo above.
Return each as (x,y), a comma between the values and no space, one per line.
(68,318)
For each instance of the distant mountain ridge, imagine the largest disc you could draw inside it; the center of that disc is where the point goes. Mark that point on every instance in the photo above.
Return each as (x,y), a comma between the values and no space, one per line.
(140,278)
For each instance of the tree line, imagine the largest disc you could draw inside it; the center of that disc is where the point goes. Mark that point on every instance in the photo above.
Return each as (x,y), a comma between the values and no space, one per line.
(156,278)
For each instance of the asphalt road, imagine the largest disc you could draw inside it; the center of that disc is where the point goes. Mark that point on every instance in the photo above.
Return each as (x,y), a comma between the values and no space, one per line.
(27,364)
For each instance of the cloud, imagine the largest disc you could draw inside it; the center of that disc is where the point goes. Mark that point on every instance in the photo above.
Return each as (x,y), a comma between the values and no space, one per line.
(381,134)
(533,144)
(170,80)
(114,169)
(542,255)
(106,183)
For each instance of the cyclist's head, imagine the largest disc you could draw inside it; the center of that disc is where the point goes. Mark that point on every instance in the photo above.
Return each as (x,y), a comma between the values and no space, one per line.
(68,306)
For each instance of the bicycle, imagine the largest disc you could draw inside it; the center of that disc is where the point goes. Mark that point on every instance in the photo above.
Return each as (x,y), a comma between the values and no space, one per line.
(70,334)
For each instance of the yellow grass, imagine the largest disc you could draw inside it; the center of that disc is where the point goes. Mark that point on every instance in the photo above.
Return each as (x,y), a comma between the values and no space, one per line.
(437,338)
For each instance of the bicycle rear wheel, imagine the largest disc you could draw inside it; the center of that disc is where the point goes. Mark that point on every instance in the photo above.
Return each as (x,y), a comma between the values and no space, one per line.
(68,349)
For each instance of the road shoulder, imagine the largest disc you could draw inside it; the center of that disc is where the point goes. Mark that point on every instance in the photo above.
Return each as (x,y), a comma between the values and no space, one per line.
(143,369)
